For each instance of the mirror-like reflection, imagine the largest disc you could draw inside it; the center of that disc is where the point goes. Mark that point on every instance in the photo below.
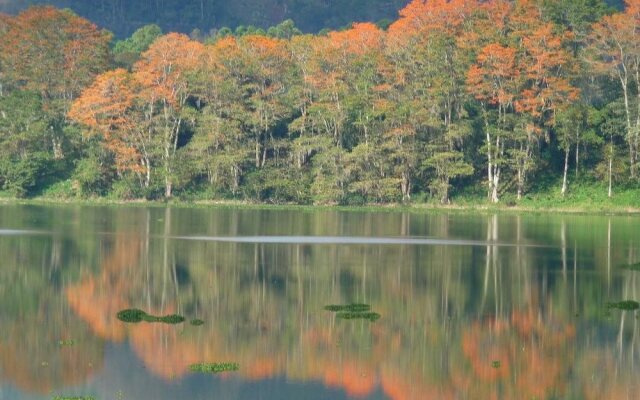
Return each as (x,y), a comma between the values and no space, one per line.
(467,306)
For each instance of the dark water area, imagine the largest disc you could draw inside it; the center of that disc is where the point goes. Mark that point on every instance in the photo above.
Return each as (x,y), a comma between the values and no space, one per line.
(134,303)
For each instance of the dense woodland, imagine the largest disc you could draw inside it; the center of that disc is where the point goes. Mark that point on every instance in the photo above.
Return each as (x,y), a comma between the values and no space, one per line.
(460,96)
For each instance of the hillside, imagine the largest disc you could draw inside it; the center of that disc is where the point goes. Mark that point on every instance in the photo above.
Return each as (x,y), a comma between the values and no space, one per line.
(123,17)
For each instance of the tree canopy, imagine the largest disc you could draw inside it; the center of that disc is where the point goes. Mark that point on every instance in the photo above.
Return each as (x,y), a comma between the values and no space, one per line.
(452,97)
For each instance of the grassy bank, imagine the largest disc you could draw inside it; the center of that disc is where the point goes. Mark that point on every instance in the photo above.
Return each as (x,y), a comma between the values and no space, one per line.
(590,198)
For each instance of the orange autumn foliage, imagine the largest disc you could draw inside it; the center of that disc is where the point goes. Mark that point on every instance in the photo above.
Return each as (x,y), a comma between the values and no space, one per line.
(162,68)
(423,16)
(614,41)
(52,51)
(362,38)
(106,108)
(492,78)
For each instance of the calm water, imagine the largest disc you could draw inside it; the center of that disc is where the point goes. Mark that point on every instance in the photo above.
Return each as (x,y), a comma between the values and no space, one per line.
(472,306)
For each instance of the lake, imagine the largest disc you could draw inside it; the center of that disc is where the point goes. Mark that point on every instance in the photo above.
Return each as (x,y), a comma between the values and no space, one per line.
(323,304)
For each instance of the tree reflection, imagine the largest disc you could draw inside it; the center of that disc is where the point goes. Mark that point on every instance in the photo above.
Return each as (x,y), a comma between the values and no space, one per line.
(449,312)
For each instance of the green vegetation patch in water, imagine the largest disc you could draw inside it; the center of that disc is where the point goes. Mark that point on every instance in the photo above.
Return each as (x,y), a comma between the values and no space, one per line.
(134,315)
(67,342)
(496,364)
(371,316)
(197,322)
(348,307)
(215,367)
(73,398)
(631,267)
(624,305)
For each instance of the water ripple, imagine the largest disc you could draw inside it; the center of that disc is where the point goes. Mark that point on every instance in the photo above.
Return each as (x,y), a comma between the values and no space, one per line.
(351,240)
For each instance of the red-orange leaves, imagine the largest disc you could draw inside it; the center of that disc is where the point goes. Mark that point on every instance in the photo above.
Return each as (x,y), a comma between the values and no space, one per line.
(103,105)
(432,15)
(492,78)
(161,70)
(545,65)
(360,39)
(106,108)
(52,51)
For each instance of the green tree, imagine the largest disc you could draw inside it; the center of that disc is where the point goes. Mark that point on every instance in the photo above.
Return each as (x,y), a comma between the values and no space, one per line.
(126,52)
(24,159)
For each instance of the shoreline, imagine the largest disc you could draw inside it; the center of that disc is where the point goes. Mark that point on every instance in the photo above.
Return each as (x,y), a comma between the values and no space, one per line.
(391,207)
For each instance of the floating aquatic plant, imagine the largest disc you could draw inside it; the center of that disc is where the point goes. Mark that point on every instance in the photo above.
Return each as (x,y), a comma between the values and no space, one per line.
(624,305)
(74,398)
(496,364)
(215,367)
(67,342)
(371,316)
(135,315)
(348,307)
(197,322)
(132,315)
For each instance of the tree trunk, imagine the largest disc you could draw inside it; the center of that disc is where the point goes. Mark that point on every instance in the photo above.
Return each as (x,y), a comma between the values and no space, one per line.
(520,183)
(444,199)
(577,156)
(496,173)
(489,160)
(625,91)
(168,187)
(494,189)
(566,168)
(610,167)
(167,172)
(405,187)
(147,178)
(257,151)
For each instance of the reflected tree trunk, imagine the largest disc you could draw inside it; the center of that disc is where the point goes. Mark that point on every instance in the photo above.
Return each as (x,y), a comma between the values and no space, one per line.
(563,241)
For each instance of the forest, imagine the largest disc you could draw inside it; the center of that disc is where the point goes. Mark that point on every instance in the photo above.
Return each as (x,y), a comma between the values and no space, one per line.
(494,99)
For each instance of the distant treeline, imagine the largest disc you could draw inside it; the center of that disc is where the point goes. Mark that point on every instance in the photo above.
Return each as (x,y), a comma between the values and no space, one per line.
(123,17)
(457,96)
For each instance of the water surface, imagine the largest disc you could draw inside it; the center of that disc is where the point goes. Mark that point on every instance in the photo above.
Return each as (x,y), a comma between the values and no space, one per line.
(471,306)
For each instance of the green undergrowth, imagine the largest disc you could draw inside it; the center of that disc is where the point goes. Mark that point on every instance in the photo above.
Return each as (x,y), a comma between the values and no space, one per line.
(585,196)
